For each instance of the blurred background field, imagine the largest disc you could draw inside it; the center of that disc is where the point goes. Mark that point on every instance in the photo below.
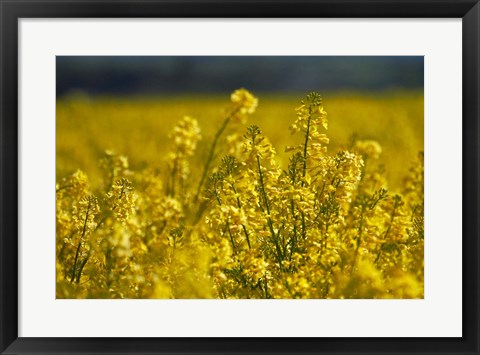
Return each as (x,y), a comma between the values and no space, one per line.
(130,104)
(139,127)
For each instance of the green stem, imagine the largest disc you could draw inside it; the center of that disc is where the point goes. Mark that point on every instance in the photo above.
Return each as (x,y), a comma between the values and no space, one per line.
(240,207)
(80,243)
(359,239)
(266,285)
(304,173)
(294,239)
(231,238)
(212,152)
(305,147)
(324,244)
(82,265)
(267,207)
(387,231)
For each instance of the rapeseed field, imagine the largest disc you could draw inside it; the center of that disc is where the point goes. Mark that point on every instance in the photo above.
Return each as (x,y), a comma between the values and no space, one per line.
(239,196)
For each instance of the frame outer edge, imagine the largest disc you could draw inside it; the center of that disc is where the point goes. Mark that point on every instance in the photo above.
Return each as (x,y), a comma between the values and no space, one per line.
(9,176)
(243,8)
(9,14)
(471,174)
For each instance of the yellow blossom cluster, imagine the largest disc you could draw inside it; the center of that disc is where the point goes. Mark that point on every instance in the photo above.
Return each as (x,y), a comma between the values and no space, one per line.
(243,101)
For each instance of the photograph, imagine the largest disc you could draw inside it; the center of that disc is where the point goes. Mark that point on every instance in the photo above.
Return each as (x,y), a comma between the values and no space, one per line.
(239,177)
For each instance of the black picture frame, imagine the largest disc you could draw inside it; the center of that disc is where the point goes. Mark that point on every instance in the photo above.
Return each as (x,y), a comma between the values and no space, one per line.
(12,10)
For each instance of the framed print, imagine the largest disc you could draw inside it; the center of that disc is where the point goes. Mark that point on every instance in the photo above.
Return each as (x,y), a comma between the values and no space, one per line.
(255,177)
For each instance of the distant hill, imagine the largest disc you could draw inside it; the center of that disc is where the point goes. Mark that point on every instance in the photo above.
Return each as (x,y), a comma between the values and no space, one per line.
(210,74)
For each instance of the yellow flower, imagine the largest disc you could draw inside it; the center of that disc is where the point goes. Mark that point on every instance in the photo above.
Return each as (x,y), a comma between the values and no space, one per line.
(369,148)
(244,101)
(185,136)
